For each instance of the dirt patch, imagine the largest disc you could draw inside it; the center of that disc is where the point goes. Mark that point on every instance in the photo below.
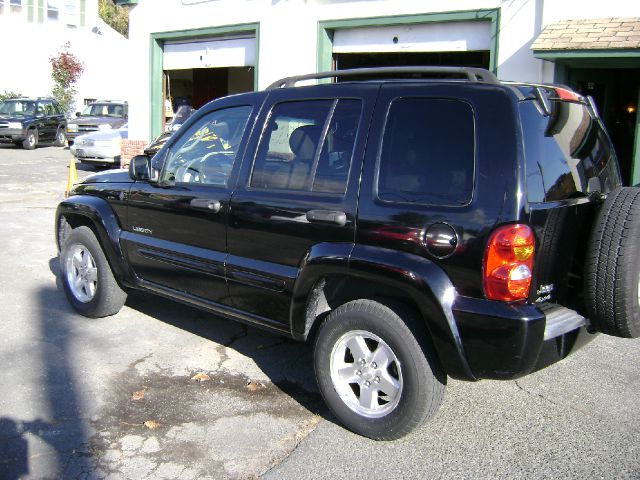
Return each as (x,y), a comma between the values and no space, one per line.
(218,425)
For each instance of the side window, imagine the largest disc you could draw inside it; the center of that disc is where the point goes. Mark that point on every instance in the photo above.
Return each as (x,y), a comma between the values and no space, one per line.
(428,152)
(48,107)
(40,108)
(308,146)
(206,152)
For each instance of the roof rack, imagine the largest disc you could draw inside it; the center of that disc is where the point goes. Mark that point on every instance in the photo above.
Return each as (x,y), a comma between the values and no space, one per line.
(475,75)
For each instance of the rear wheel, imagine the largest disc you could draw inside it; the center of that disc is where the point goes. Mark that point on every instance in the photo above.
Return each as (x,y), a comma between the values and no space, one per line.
(87,277)
(31,140)
(612,268)
(380,377)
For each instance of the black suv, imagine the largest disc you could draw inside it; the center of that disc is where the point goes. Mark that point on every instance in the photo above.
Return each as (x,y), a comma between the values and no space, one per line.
(412,229)
(31,121)
(100,115)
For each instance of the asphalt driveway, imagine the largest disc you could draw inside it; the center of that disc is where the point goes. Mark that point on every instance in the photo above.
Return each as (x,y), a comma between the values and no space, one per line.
(165,391)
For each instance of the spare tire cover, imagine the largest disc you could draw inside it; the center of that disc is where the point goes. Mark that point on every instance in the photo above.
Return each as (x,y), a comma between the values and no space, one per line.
(612,265)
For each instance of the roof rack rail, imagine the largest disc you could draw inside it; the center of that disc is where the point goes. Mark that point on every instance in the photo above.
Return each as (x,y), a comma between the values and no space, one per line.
(475,75)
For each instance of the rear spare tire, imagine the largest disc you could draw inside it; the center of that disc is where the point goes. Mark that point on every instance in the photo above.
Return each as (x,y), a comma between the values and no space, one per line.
(612,266)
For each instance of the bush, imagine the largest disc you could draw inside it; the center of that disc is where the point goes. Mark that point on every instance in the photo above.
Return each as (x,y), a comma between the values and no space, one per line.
(66,70)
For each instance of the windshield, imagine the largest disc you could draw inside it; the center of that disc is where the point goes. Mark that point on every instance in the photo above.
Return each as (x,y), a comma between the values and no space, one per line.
(103,110)
(18,107)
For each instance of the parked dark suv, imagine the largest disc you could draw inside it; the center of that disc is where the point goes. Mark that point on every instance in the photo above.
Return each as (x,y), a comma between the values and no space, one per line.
(100,115)
(31,121)
(413,229)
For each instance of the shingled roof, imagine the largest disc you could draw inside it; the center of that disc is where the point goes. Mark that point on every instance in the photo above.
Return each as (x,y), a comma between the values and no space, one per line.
(592,34)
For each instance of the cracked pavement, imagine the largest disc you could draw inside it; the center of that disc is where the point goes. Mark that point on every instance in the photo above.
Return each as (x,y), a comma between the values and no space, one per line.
(115,398)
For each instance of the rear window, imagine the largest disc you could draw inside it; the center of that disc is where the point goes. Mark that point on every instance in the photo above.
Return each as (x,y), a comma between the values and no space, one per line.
(427,154)
(564,151)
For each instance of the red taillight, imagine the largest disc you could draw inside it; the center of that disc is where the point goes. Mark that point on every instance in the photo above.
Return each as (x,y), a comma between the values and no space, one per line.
(566,94)
(508,263)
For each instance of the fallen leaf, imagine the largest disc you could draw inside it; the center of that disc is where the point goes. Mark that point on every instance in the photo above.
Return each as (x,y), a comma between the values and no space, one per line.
(139,395)
(152,424)
(200,377)
(254,385)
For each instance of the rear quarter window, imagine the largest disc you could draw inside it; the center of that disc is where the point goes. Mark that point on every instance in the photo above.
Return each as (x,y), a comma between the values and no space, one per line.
(427,153)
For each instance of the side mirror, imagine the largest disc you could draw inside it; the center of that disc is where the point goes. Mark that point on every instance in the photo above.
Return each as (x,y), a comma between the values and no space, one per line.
(78,114)
(140,168)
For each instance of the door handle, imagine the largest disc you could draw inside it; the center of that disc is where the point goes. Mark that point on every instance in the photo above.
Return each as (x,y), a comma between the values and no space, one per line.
(327,216)
(206,204)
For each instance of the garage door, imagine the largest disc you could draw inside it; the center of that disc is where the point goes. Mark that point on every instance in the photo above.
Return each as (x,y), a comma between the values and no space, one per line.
(209,53)
(432,37)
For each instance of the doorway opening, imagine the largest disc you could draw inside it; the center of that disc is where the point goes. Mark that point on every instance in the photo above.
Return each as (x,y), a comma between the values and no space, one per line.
(197,86)
(616,92)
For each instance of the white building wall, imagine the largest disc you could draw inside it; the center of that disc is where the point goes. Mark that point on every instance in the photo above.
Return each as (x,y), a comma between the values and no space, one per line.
(289,30)
(29,46)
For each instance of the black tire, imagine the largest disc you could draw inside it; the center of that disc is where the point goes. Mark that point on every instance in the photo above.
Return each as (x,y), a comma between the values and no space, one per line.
(31,140)
(86,276)
(61,138)
(612,266)
(414,375)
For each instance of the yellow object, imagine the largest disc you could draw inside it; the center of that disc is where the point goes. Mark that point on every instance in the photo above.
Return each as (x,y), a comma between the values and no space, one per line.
(73,176)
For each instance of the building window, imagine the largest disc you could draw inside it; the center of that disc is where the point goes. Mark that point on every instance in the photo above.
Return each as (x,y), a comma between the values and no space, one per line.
(15,6)
(53,10)
(71,13)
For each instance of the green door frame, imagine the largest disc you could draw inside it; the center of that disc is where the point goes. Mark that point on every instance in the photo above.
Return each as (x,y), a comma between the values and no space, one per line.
(156,51)
(327,28)
(623,58)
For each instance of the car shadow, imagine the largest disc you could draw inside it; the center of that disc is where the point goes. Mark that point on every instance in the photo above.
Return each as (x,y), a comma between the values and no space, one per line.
(58,445)
(287,363)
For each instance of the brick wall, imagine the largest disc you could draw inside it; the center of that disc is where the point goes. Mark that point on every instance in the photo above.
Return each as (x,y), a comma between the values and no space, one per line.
(129,149)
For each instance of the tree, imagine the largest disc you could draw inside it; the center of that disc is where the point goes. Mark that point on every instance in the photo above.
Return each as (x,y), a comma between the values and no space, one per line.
(8,94)
(66,70)
(116,16)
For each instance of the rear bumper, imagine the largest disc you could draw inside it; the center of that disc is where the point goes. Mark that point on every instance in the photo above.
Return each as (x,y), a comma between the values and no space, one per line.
(503,341)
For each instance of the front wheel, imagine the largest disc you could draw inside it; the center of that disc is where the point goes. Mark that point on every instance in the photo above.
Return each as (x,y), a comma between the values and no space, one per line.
(376,371)
(31,140)
(87,278)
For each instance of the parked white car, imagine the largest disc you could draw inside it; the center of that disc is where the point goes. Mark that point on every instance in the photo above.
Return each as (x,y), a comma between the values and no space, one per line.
(100,148)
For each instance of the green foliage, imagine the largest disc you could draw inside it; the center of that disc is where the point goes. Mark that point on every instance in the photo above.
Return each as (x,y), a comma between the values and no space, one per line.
(66,70)
(116,16)
(8,94)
